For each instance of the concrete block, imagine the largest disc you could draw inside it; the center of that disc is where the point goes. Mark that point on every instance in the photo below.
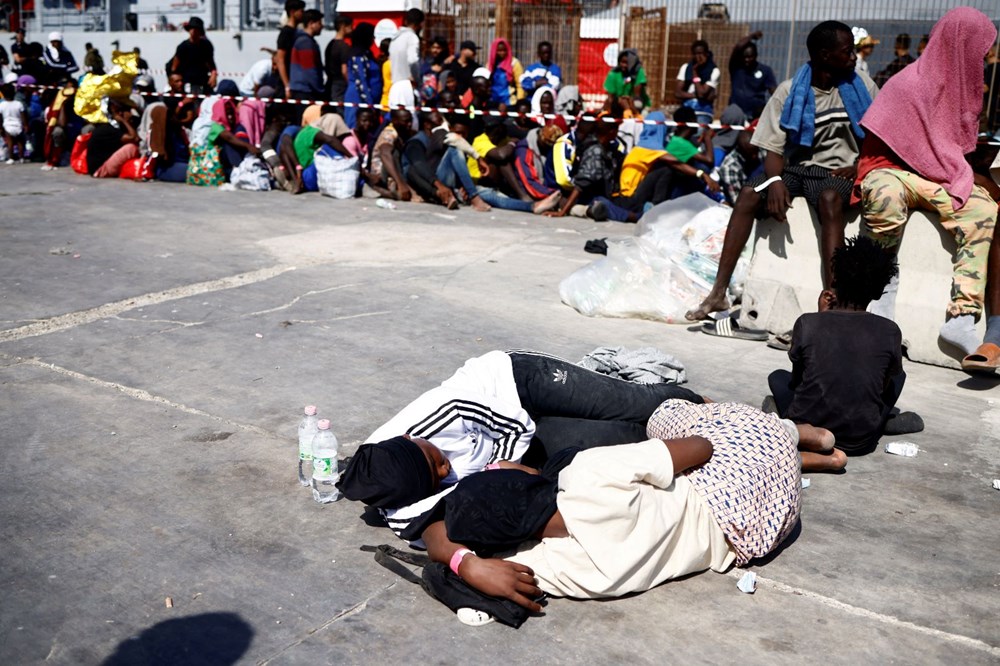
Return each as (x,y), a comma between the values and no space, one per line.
(785,279)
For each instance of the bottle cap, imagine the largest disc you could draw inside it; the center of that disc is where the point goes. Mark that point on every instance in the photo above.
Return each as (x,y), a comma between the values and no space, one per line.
(324,424)
(310,410)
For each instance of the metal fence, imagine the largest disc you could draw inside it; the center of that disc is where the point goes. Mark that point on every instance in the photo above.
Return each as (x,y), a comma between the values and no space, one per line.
(587,35)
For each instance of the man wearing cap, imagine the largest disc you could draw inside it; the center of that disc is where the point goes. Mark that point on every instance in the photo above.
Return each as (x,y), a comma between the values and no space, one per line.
(58,59)
(194,59)
(404,60)
(464,66)
(18,50)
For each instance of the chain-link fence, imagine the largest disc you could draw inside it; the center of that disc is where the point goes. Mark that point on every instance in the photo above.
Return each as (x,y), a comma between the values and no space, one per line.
(587,35)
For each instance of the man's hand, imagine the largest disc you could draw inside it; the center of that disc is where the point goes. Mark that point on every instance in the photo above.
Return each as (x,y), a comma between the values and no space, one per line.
(506,464)
(554,213)
(405,193)
(500,578)
(848,172)
(827,299)
(484,168)
(254,150)
(712,186)
(778,201)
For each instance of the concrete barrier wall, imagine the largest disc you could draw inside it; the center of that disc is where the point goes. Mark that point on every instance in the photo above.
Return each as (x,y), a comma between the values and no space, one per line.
(785,279)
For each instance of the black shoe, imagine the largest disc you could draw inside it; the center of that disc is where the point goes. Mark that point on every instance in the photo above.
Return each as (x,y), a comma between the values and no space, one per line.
(904,423)
(769,406)
(598,211)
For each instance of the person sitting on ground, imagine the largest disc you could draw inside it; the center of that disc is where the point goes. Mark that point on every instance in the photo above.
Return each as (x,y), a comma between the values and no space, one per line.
(523,122)
(698,82)
(422,163)
(326,134)
(364,77)
(113,143)
(569,103)
(752,82)
(62,126)
(505,74)
(542,74)
(708,486)
(13,124)
(910,165)
(497,152)
(685,144)
(810,131)
(740,165)
(899,63)
(628,79)
(533,161)
(543,104)
(490,410)
(217,126)
(383,174)
(847,364)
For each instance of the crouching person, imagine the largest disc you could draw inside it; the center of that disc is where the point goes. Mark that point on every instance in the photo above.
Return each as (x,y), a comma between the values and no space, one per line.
(113,143)
(715,485)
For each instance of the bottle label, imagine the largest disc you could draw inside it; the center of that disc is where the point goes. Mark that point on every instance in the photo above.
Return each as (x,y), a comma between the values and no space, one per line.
(324,468)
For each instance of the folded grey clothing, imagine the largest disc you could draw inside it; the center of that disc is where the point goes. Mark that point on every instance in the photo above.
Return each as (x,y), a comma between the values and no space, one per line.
(646,365)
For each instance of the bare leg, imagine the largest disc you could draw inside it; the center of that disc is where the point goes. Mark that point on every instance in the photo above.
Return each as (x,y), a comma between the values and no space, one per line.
(831,218)
(823,462)
(737,235)
(480,205)
(817,440)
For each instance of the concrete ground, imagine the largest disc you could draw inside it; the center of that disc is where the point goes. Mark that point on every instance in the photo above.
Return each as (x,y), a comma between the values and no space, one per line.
(157,344)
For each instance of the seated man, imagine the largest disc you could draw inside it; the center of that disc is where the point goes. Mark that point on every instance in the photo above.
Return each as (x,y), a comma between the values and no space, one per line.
(810,131)
(713,485)
(922,164)
(490,410)
(113,143)
(497,151)
(383,172)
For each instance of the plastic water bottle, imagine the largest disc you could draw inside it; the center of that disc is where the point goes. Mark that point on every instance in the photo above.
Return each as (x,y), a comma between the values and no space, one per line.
(385,203)
(325,472)
(308,427)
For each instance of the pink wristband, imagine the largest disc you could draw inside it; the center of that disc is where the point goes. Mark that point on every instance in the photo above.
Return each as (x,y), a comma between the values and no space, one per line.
(456,559)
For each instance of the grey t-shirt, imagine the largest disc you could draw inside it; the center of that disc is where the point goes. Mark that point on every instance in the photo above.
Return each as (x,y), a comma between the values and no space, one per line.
(834,144)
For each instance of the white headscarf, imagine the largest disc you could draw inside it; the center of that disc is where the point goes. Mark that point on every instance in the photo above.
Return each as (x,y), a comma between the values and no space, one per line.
(202,125)
(536,99)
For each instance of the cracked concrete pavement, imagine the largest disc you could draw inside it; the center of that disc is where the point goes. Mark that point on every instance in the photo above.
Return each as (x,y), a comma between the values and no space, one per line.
(152,385)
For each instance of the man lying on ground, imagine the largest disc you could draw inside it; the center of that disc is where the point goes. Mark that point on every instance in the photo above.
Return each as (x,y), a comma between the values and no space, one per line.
(491,410)
(714,485)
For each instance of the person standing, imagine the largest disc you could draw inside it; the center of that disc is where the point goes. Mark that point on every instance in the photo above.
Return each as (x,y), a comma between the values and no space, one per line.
(58,59)
(404,60)
(698,81)
(543,73)
(464,67)
(505,74)
(752,82)
(18,50)
(286,37)
(864,44)
(93,62)
(903,58)
(364,76)
(335,58)
(305,76)
(194,59)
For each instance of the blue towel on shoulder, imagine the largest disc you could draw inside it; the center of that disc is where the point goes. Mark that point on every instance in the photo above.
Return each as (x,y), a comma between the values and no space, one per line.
(798,116)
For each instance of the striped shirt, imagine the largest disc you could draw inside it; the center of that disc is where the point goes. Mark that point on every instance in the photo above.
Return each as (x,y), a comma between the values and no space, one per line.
(474,417)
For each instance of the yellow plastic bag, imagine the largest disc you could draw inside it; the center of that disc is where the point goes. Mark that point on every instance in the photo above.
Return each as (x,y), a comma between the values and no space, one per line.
(116,83)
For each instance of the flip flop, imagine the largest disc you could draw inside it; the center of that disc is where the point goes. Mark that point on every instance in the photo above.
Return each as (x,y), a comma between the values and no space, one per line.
(730,328)
(781,342)
(472,617)
(985,359)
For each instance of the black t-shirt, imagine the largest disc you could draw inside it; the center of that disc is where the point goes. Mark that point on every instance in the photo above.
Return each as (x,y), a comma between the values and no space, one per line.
(195,60)
(463,74)
(104,141)
(338,52)
(841,364)
(286,40)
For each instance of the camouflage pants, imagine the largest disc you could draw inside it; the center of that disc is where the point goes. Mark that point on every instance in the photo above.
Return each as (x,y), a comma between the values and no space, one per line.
(888,195)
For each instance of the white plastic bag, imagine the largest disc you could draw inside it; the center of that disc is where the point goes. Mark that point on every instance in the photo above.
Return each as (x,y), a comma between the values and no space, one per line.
(337,177)
(666,269)
(251,174)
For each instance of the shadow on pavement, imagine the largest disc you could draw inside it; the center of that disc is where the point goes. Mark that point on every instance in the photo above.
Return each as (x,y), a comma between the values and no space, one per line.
(215,639)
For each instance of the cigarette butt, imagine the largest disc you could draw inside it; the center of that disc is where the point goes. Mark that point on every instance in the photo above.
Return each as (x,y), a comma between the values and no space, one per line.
(169,602)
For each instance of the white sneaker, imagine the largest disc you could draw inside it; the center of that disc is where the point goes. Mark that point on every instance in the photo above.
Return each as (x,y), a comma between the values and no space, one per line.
(9,162)
(48,167)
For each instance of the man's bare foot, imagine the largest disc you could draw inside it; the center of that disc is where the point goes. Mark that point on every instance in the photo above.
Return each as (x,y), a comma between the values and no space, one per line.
(546,204)
(818,440)
(712,303)
(834,461)
(480,205)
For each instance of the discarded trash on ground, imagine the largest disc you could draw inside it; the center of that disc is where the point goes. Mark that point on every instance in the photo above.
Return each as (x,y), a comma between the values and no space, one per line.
(748,583)
(905,449)
(806,483)
(996,484)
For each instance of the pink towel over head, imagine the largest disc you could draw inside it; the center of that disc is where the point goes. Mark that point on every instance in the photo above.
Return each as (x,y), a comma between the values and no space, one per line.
(928,114)
(251,116)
